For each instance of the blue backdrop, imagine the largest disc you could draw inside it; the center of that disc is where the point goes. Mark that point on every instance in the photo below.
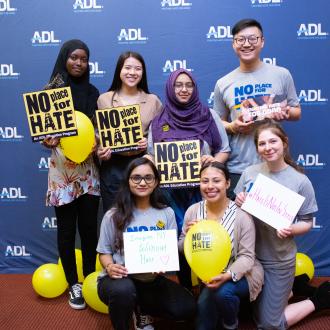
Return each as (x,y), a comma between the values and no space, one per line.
(170,34)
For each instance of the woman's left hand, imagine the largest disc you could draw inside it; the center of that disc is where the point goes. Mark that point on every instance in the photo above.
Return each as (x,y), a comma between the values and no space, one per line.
(206,159)
(218,280)
(142,144)
(284,232)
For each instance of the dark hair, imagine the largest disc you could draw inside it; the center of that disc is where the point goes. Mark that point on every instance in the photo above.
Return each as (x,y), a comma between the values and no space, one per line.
(116,82)
(245,23)
(125,202)
(277,129)
(218,165)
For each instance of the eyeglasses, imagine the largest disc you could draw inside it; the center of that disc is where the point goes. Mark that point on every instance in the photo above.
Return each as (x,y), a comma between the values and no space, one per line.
(148,179)
(240,41)
(180,86)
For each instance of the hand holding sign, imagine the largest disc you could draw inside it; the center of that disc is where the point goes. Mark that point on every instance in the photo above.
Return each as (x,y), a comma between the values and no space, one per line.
(207,249)
(77,148)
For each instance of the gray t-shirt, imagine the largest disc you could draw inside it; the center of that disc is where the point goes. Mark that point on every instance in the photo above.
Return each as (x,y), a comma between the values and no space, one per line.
(206,150)
(237,86)
(270,249)
(150,219)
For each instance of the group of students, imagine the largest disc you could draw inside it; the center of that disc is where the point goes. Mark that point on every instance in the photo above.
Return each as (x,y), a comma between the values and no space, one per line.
(262,261)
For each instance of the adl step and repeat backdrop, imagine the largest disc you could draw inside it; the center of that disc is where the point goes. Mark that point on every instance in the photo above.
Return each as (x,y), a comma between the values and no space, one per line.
(170,34)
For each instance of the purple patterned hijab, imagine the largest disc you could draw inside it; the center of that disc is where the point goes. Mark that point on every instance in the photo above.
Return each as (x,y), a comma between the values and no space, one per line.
(185,121)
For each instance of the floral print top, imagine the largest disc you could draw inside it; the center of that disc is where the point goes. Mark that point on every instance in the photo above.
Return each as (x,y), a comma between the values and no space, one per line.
(68,180)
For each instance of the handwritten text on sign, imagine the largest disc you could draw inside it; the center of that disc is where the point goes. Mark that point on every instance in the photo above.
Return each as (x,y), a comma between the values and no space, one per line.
(120,128)
(50,113)
(272,203)
(151,251)
(178,163)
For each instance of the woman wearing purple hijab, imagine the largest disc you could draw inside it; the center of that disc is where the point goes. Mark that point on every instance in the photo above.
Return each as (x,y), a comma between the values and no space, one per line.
(184,117)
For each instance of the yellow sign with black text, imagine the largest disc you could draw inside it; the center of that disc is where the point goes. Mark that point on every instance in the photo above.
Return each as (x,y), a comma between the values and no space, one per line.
(50,113)
(120,128)
(178,163)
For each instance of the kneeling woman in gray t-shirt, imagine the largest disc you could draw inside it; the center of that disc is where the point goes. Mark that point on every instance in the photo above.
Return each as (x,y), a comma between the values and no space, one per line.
(137,208)
(276,249)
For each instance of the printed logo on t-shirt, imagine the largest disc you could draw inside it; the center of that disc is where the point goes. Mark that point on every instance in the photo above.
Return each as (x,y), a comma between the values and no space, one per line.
(250,91)
(147,228)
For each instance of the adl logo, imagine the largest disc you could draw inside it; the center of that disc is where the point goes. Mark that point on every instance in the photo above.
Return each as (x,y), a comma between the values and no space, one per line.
(219,33)
(49,223)
(16,251)
(12,194)
(175,4)
(131,36)
(311,31)
(9,134)
(312,97)
(6,9)
(310,161)
(44,163)
(94,70)
(86,6)
(171,66)
(44,38)
(7,72)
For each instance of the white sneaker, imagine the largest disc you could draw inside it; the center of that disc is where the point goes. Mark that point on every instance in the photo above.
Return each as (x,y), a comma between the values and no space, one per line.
(143,322)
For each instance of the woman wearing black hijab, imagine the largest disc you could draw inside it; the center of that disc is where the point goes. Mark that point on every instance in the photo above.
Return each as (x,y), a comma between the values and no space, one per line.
(74,189)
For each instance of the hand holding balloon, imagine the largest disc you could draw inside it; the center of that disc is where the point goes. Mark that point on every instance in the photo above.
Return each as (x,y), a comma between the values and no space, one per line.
(218,280)
(207,249)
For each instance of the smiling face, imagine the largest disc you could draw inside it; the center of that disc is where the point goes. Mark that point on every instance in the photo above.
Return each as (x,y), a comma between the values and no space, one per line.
(131,72)
(213,185)
(271,147)
(77,63)
(183,88)
(248,52)
(147,184)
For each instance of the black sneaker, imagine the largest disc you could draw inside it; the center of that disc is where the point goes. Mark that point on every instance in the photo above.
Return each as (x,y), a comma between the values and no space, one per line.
(76,299)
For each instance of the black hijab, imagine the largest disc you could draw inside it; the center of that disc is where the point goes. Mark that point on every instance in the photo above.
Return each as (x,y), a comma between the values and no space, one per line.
(84,94)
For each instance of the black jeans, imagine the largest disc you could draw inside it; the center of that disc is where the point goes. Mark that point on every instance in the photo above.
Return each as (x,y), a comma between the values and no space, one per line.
(82,211)
(161,297)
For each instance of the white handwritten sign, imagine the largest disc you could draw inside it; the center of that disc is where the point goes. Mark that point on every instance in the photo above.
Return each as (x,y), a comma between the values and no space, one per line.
(151,251)
(272,203)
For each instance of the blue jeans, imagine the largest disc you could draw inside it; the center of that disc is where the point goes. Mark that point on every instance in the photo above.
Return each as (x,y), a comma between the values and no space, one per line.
(221,306)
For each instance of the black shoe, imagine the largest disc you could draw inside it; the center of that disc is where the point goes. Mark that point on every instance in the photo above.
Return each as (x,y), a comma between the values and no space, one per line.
(321,298)
(76,299)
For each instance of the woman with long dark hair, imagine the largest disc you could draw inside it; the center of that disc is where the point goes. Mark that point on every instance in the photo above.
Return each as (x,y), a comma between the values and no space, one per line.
(74,189)
(129,86)
(137,208)
(276,248)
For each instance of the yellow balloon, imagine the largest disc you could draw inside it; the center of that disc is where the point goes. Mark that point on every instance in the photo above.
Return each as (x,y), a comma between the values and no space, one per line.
(49,281)
(78,265)
(89,291)
(207,249)
(304,265)
(77,148)
(98,266)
